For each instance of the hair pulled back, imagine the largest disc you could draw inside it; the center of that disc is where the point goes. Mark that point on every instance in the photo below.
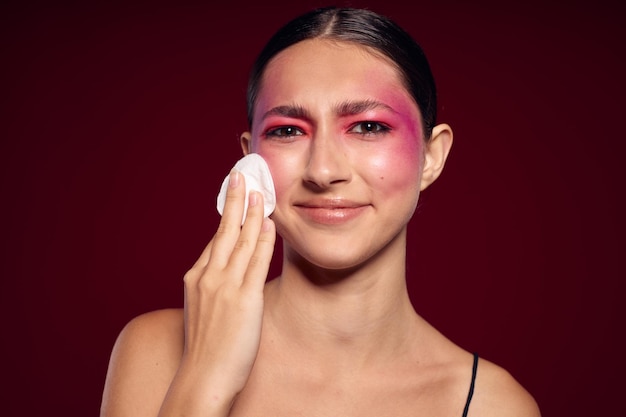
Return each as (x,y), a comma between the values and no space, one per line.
(365,28)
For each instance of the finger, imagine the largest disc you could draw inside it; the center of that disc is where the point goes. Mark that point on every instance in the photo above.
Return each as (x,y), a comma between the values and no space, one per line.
(230,225)
(247,241)
(259,264)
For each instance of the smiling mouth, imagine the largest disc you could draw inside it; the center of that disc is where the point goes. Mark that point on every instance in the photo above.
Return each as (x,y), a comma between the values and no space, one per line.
(331,212)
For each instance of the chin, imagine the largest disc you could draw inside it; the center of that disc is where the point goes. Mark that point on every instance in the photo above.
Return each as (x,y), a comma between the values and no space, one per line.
(329,262)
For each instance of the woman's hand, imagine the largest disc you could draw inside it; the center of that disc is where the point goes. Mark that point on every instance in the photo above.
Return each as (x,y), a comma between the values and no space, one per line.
(224,307)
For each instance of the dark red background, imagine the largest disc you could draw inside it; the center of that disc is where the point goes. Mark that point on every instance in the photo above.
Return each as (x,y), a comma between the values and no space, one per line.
(119,123)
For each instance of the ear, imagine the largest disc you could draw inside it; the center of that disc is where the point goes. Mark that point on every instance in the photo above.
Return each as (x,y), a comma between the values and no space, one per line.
(436,152)
(245,140)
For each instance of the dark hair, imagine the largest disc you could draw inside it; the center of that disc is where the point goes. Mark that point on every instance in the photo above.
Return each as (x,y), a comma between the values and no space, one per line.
(363,27)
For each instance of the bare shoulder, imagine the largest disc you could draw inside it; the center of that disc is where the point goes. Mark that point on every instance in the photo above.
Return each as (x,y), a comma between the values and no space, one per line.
(498,393)
(156,325)
(143,362)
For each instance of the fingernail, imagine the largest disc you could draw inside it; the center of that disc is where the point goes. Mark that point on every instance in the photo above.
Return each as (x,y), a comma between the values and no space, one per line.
(253,199)
(234,179)
(265,227)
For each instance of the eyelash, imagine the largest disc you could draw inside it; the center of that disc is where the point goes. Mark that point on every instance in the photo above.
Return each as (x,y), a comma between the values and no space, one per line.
(380,128)
(293,131)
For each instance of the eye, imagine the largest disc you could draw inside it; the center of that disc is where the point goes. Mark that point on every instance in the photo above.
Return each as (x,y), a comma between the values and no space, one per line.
(284,132)
(369,128)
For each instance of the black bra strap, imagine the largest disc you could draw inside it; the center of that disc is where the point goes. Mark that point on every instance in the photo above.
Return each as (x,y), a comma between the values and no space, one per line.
(471,390)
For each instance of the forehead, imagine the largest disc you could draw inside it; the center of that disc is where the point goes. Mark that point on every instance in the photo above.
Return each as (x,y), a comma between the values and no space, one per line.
(318,70)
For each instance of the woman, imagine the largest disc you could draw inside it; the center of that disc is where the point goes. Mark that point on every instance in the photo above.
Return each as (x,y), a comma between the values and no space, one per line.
(341,105)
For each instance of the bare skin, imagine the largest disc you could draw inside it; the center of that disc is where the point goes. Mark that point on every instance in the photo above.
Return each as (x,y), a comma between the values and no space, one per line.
(336,333)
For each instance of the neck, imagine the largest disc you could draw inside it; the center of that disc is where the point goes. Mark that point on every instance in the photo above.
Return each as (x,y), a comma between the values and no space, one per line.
(365,308)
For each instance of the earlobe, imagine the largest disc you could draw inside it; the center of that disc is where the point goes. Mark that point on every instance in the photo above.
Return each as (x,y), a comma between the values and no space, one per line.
(436,153)
(245,140)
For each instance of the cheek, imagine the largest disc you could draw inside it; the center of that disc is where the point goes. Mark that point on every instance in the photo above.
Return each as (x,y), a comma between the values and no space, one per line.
(281,166)
(397,168)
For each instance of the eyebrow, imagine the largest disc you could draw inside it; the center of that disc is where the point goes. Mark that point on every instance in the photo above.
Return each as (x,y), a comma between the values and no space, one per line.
(291,111)
(351,108)
(343,109)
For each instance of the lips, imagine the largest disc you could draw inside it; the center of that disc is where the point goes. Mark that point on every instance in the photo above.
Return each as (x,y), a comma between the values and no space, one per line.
(331,211)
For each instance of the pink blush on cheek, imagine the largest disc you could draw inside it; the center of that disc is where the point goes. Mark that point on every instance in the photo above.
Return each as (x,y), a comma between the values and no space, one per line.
(279,168)
(397,167)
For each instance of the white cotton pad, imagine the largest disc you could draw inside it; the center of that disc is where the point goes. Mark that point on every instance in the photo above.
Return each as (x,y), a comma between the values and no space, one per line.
(258,177)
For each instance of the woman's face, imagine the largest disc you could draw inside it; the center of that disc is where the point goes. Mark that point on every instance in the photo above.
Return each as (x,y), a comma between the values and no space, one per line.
(342,137)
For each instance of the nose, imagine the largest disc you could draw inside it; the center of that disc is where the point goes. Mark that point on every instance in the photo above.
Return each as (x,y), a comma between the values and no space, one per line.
(328,163)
